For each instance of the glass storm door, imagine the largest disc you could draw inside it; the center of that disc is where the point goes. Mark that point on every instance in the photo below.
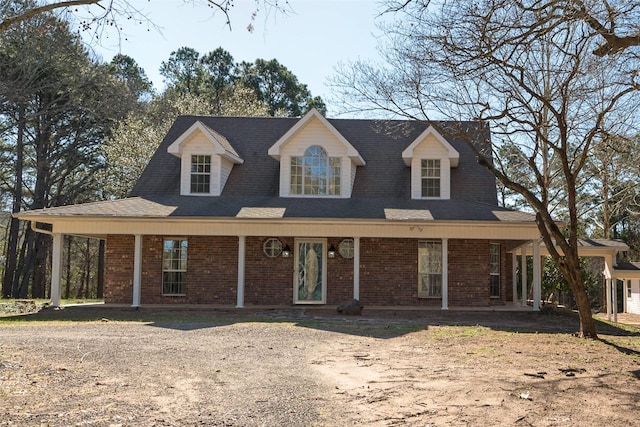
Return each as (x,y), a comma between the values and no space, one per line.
(310,273)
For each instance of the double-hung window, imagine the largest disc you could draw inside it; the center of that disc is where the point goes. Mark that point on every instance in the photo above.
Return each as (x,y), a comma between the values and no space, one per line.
(315,173)
(174,267)
(200,173)
(430,175)
(430,269)
(494,269)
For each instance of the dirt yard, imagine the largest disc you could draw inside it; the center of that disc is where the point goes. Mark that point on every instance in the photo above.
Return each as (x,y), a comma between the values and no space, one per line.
(118,367)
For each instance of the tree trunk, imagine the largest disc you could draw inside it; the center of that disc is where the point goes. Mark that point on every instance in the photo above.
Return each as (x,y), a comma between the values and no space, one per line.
(40,246)
(42,249)
(606,215)
(571,264)
(9,281)
(24,269)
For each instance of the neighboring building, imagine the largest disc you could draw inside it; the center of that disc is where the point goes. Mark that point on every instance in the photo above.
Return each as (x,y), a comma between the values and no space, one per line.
(283,211)
(629,274)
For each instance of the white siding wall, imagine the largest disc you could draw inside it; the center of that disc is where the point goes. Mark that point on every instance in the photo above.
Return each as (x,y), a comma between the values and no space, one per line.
(633,303)
(285,175)
(353,168)
(314,133)
(225,169)
(199,144)
(430,148)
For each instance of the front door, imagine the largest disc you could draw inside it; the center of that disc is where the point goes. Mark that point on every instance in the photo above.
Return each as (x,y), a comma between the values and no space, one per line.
(311,272)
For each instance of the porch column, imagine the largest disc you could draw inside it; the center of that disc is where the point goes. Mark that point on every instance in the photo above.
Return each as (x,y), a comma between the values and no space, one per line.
(356,268)
(614,295)
(625,309)
(607,287)
(514,275)
(242,241)
(537,276)
(56,268)
(445,275)
(523,274)
(137,270)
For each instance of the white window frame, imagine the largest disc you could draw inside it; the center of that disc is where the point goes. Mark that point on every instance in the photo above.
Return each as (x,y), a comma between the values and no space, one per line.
(315,156)
(272,247)
(426,175)
(494,269)
(169,267)
(346,249)
(430,268)
(196,172)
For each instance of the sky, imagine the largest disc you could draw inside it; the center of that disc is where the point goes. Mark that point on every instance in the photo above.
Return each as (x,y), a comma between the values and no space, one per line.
(310,41)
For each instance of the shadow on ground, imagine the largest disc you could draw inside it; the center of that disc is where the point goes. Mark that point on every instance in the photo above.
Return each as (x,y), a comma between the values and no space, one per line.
(378,323)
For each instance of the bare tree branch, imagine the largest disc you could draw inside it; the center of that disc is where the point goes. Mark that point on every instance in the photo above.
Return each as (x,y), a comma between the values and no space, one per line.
(30,13)
(528,68)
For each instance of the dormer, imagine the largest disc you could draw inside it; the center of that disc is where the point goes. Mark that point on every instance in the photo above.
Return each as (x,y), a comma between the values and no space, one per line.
(315,159)
(431,158)
(206,160)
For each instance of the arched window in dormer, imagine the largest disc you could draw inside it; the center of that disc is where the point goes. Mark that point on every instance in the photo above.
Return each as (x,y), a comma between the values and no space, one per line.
(315,173)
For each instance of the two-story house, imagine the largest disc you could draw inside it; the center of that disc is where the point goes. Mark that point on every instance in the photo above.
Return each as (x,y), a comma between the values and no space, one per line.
(283,211)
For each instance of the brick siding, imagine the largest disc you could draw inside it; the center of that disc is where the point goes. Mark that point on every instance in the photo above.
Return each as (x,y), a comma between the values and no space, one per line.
(388,273)
(118,277)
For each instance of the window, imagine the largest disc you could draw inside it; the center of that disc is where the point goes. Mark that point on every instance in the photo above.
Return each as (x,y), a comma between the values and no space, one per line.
(629,289)
(174,267)
(430,174)
(315,173)
(272,247)
(200,173)
(430,269)
(494,269)
(346,249)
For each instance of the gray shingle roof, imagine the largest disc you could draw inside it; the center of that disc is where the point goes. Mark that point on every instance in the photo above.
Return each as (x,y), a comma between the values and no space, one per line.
(382,188)
(276,207)
(628,266)
(383,183)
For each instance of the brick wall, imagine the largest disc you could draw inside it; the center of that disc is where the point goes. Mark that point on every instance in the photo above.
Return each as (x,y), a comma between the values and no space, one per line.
(118,278)
(268,281)
(339,276)
(388,273)
(212,271)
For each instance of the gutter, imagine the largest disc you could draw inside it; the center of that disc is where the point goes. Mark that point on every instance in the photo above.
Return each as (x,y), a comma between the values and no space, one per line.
(34,227)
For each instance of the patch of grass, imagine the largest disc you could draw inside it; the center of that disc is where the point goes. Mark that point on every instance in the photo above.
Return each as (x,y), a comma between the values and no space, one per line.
(484,351)
(628,345)
(621,326)
(446,332)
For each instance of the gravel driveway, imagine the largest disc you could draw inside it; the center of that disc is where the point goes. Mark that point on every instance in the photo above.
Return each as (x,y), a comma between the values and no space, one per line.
(284,369)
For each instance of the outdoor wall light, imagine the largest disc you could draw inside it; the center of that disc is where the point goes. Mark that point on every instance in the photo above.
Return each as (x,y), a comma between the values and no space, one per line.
(286,251)
(332,252)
